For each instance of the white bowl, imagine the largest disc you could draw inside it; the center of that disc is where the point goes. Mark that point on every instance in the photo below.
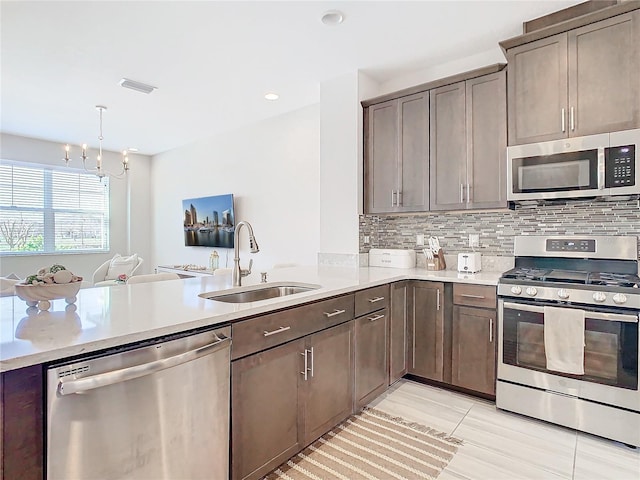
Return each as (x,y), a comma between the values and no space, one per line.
(32,294)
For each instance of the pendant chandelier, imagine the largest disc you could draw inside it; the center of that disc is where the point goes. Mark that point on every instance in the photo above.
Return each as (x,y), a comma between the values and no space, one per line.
(99,170)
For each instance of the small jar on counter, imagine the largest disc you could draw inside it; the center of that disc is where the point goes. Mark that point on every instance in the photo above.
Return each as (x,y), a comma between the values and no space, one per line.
(214,260)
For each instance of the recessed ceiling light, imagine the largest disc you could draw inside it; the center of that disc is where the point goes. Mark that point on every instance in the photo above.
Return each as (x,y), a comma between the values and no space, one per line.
(132,149)
(272,96)
(332,18)
(137,86)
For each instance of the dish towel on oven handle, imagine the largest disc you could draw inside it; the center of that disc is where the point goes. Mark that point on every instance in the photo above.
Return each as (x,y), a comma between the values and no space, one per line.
(564,339)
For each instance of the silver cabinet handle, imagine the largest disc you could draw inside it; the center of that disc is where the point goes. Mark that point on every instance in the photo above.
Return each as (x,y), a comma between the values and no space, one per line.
(311,352)
(562,121)
(399,202)
(461,193)
(491,330)
(468,193)
(468,295)
(117,376)
(377,317)
(273,332)
(438,300)
(334,313)
(306,364)
(374,300)
(572,119)
(393,198)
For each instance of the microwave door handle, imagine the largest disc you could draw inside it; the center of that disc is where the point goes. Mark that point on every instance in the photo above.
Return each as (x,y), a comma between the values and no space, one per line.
(601,168)
(612,317)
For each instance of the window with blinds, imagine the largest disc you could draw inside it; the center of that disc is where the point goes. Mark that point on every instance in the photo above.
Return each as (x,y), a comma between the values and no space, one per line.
(48,210)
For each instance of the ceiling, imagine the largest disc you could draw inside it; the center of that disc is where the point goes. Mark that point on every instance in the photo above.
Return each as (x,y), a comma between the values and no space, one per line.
(213,61)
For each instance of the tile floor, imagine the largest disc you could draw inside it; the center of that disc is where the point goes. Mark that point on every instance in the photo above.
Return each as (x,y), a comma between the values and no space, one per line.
(503,445)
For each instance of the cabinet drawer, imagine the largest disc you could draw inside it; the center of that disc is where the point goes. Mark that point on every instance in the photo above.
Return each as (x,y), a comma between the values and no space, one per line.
(371,299)
(267,331)
(474,295)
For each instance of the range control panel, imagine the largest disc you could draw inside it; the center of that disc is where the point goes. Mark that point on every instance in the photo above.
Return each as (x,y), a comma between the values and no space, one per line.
(572,245)
(620,166)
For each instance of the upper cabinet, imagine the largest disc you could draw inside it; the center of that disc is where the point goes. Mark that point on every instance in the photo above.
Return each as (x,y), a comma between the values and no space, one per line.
(576,83)
(441,148)
(468,144)
(397,155)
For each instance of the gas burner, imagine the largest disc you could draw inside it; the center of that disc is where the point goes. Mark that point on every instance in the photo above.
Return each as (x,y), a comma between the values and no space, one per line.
(524,273)
(614,279)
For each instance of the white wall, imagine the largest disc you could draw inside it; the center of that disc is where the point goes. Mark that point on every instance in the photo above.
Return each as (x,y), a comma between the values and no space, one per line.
(32,150)
(271,167)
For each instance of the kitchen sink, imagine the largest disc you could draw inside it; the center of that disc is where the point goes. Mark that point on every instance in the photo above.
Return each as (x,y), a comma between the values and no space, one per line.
(255,293)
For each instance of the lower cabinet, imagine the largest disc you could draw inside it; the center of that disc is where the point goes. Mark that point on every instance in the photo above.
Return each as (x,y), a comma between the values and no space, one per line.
(398,331)
(371,356)
(286,397)
(426,351)
(474,338)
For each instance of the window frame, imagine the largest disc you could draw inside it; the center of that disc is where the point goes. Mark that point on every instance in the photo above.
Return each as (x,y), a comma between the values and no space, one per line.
(49,211)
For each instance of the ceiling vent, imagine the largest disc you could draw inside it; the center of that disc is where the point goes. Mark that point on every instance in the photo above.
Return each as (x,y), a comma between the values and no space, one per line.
(137,86)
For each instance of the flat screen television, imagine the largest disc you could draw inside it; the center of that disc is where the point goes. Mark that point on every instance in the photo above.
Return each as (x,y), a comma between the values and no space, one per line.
(209,221)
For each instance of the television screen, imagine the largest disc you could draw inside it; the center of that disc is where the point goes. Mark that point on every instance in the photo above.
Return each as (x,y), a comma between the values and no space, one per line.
(209,221)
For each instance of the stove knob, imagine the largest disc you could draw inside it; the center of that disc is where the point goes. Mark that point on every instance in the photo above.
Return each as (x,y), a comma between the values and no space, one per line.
(563,293)
(532,291)
(620,298)
(599,296)
(516,290)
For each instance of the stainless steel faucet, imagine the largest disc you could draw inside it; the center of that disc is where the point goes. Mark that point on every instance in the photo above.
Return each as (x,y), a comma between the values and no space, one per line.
(238,272)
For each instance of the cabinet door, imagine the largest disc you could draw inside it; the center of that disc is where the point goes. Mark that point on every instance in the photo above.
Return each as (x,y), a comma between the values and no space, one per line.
(414,152)
(486,99)
(604,76)
(448,153)
(381,174)
(371,356)
(328,390)
(264,413)
(537,90)
(473,355)
(398,331)
(427,335)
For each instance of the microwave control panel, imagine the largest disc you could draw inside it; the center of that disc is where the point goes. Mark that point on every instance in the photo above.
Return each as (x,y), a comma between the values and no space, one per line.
(620,166)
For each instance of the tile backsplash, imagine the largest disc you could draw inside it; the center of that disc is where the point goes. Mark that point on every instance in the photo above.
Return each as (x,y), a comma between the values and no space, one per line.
(498,228)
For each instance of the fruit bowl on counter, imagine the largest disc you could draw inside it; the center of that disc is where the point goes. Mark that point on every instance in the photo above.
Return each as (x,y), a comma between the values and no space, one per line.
(49,284)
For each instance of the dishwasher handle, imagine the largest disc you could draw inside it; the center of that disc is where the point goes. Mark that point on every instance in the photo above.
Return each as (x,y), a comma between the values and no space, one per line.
(82,385)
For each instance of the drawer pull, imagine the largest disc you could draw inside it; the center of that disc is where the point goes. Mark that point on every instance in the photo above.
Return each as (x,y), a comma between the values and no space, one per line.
(467,295)
(374,300)
(280,330)
(377,317)
(334,313)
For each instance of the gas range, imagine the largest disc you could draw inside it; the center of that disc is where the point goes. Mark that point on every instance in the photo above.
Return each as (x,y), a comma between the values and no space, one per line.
(588,270)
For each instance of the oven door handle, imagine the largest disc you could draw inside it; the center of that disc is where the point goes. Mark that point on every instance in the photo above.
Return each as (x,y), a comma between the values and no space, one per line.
(612,317)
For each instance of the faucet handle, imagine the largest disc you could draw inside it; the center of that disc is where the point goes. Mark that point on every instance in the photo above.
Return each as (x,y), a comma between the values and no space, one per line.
(244,273)
(263,277)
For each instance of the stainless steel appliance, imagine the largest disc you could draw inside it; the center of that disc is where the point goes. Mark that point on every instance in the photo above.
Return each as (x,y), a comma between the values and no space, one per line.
(592,166)
(160,411)
(592,276)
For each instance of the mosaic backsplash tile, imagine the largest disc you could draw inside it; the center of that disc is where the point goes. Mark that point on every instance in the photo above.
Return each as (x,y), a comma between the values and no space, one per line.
(497,229)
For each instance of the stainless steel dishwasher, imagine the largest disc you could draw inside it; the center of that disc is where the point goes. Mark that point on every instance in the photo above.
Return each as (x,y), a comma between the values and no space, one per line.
(158,411)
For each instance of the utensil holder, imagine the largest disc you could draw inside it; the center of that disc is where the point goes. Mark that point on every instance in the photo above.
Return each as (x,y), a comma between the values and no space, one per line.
(437,262)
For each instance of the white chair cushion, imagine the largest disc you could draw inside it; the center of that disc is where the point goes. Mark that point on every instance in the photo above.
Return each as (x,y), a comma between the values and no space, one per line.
(121,265)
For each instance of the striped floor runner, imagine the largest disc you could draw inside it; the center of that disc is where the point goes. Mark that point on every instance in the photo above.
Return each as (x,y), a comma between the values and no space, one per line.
(374,446)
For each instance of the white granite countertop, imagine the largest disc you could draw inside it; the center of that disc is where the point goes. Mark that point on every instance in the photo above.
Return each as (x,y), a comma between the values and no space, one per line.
(105,317)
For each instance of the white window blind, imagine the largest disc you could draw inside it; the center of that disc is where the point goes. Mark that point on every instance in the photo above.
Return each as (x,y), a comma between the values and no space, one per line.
(49,210)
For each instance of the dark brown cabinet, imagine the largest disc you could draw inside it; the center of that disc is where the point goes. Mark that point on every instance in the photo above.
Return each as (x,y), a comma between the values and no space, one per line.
(474,337)
(371,336)
(468,126)
(576,83)
(398,331)
(22,424)
(397,155)
(426,350)
(286,396)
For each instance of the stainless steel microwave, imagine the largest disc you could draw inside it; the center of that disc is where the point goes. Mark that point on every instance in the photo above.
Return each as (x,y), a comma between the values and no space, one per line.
(592,166)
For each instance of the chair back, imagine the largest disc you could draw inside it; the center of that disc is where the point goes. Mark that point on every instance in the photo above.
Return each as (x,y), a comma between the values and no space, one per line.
(153,277)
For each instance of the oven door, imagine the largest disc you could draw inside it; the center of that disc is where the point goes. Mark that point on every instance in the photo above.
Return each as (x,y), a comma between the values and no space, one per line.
(610,353)
(566,168)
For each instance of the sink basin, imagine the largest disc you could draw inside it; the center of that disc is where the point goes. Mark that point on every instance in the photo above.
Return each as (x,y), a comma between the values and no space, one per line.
(255,293)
